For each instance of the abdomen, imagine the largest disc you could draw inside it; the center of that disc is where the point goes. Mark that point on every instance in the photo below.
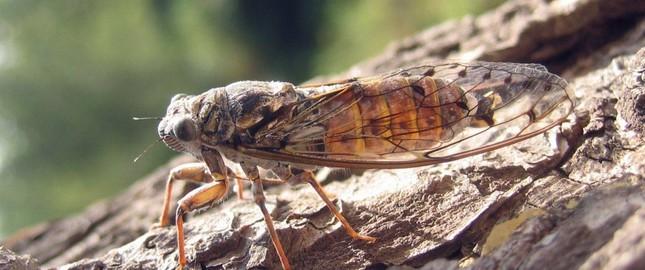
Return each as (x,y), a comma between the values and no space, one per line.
(393,115)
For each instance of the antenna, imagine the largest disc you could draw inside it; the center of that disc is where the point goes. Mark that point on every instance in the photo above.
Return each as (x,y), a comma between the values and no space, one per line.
(147,118)
(146,150)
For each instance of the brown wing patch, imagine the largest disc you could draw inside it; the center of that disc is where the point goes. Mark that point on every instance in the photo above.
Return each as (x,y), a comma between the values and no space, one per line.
(420,115)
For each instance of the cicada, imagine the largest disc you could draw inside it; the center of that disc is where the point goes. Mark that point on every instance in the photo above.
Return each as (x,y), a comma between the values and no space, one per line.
(411,117)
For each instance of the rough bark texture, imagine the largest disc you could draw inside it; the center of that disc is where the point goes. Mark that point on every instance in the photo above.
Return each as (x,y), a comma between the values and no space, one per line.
(525,206)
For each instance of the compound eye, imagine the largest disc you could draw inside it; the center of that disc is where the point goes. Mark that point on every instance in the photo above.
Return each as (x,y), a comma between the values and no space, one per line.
(185,130)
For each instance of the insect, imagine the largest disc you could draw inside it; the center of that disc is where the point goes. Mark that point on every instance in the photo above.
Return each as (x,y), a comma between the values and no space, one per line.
(411,117)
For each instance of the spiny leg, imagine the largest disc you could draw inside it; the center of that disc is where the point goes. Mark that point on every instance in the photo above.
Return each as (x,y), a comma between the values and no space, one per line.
(308,177)
(240,188)
(215,174)
(239,182)
(195,172)
(257,189)
(197,198)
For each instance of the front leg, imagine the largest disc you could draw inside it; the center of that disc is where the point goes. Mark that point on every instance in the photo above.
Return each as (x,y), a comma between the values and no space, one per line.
(214,174)
(196,199)
(257,189)
(194,172)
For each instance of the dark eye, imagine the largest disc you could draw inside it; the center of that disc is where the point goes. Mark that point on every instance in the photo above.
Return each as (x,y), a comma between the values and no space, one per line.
(185,130)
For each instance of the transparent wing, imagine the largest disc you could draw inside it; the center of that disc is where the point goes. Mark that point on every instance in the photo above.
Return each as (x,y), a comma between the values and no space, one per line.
(418,116)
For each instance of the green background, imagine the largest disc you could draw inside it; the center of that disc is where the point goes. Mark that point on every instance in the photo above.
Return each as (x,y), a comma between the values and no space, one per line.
(74,72)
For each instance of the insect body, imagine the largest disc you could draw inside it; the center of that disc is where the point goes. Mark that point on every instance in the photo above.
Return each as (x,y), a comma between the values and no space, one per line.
(413,117)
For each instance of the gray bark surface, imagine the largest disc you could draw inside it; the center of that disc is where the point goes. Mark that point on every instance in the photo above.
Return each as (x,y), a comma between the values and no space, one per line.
(526,206)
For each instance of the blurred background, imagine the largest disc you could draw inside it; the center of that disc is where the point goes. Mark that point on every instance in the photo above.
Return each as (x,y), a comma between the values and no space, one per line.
(74,72)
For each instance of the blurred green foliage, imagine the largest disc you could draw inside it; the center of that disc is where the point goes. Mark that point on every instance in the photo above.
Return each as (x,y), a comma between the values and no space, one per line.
(74,72)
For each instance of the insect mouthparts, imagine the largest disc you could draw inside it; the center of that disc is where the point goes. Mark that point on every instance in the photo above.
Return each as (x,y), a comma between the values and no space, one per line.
(172,143)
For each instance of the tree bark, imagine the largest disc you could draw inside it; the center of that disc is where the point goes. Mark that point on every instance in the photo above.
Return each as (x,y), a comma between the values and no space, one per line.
(524,206)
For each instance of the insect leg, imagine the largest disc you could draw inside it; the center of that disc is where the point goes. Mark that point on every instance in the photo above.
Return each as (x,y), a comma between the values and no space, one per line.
(272,181)
(196,172)
(215,174)
(239,183)
(308,177)
(240,188)
(197,198)
(266,181)
(253,174)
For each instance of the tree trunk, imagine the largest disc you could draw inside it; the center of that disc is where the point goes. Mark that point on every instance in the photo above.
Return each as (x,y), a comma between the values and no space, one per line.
(524,206)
